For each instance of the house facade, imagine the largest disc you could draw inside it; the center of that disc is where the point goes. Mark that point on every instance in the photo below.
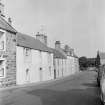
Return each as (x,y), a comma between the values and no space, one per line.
(65,62)
(34,60)
(25,59)
(72,61)
(7,54)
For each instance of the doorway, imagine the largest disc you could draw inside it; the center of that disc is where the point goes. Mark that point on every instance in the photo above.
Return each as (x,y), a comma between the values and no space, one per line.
(41,73)
(27,75)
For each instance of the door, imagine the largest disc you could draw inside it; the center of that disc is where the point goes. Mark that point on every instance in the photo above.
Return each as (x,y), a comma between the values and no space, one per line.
(27,75)
(54,74)
(40,73)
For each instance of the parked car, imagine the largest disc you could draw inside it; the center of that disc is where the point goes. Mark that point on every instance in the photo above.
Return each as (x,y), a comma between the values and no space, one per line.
(102,84)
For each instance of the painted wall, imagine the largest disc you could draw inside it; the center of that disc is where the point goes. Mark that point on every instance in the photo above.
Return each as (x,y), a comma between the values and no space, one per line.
(39,64)
(65,67)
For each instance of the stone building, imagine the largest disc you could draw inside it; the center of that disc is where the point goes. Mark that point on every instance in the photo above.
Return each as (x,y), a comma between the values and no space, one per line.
(7,53)
(23,59)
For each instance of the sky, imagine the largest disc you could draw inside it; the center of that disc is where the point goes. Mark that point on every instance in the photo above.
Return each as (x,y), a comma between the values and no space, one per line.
(78,23)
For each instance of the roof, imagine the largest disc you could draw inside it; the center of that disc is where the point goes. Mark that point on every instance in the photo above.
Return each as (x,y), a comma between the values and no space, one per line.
(30,42)
(6,26)
(59,54)
(102,55)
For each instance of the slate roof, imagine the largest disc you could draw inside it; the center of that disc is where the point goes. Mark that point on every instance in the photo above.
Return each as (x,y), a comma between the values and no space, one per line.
(30,42)
(59,54)
(6,26)
(102,55)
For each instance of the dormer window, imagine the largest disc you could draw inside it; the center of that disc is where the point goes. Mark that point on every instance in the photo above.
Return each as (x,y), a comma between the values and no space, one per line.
(2,40)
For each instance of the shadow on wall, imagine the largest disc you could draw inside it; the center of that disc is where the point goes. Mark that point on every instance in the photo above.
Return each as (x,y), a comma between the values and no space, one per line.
(87,96)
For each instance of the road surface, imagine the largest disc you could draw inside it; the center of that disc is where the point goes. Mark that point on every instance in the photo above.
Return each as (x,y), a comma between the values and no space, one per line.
(79,89)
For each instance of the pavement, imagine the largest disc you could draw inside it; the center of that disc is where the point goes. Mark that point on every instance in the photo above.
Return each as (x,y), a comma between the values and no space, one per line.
(79,89)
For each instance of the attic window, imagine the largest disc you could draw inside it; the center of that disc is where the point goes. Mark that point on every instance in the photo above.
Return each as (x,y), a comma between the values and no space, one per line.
(2,40)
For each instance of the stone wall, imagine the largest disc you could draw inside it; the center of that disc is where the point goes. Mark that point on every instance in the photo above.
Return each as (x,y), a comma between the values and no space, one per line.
(10,56)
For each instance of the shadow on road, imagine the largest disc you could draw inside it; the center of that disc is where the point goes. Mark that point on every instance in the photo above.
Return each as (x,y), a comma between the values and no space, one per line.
(91,85)
(70,97)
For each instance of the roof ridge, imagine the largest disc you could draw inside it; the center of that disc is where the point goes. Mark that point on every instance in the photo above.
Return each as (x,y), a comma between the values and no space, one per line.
(8,24)
(31,42)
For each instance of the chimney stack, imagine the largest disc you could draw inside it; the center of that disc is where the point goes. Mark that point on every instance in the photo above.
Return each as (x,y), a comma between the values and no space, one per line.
(67,49)
(57,45)
(42,38)
(72,52)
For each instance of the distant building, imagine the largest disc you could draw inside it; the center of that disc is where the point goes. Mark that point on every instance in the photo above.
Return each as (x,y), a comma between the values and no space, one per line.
(59,60)
(72,60)
(65,63)
(102,57)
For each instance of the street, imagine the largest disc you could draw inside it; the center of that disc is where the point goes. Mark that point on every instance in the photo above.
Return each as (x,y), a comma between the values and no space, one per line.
(78,89)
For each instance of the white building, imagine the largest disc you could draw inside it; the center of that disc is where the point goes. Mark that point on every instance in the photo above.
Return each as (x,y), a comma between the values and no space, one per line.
(23,59)
(34,60)
(65,61)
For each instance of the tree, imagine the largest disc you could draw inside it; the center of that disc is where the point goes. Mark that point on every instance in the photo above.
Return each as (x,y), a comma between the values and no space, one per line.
(83,63)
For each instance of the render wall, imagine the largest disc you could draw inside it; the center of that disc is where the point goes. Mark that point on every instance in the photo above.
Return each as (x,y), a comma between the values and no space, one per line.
(66,67)
(40,66)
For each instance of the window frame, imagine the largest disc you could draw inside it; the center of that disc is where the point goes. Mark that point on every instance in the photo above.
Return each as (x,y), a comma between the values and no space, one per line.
(27,50)
(4,35)
(4,66)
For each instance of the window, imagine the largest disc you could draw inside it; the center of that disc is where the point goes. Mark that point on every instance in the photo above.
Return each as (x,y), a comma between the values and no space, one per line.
(27,55)
(2,68)
(2,40)
(27,51)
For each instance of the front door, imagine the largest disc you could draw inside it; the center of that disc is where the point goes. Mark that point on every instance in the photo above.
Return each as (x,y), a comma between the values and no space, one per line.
(27,75)
(41,74)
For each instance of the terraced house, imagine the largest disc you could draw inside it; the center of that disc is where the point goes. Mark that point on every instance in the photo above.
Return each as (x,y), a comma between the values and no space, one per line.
(25,59)
(65,61)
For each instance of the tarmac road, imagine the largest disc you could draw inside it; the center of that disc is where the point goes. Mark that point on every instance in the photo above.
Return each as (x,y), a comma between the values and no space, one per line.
(78,89)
